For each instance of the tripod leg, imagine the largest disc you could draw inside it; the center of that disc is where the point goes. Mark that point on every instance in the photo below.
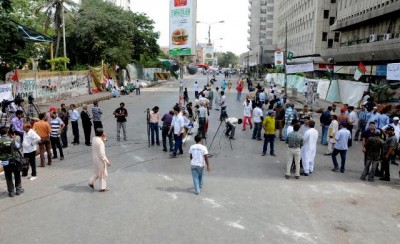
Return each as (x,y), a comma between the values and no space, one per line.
(215,134)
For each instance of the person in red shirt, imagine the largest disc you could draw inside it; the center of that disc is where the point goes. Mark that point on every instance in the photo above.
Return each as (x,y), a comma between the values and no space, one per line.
(239,90)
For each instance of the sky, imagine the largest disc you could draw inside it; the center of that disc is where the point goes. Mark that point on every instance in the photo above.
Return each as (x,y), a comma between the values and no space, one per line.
(233,31)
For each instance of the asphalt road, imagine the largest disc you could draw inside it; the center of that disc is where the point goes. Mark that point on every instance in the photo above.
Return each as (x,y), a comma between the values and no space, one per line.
(245,199)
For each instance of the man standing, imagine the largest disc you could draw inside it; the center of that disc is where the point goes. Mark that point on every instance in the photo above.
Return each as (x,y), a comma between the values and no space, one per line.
(257,118)
(239,90)
(121,113)
(262,96)
(388,151)
(167,120)
(279,118)
(29,149)
(198,159)
(247,111)
(203,114)
(373,153)
(178,127)
(154,127)
(310,140)
(57,125)
(383,119)
(74,122)
(8,152)
(196,89)
(217,98)
(65,118)
(86,124)
(333,128)
(325,120)
(137,88)
(96,112)
(269,133)
(17,124)
(289,115)
(396,127)
(352,121)
(43,129)
(210,97)
(295,142)
(341,146)
(222,104)
(362,121)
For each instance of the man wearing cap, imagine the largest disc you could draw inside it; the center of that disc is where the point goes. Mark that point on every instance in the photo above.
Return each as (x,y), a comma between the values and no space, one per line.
(396,127)
(269,133)
(388,152)
(341,147)
(309,148)
(48,114)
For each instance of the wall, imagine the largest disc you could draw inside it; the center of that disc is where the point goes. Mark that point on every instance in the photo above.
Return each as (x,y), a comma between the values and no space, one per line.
(51,86)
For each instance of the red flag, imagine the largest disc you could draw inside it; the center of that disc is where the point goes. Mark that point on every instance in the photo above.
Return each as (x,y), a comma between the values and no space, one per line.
(15,76)
(362,67)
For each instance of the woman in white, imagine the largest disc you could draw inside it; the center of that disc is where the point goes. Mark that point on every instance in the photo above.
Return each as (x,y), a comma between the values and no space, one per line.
(100,161)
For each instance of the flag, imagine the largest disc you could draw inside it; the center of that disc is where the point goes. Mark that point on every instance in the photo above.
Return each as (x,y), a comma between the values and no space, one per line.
(359,71)
(290,55)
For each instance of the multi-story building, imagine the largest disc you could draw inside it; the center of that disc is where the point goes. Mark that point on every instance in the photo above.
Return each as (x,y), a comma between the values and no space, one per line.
(369,32)
(307,26)
(261,26)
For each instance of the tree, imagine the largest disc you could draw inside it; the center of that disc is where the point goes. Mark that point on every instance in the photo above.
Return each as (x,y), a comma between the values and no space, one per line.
(224,59)
(12,48)
(101,31)
(54,13)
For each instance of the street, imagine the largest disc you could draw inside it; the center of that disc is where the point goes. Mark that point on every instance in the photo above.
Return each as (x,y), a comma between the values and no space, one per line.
(245,198)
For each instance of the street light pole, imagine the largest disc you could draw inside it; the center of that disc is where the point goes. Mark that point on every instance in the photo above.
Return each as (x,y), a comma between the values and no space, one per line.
(370,74)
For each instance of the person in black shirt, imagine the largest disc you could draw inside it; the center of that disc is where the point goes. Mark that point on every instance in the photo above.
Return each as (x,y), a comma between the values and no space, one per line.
(121,113)
(86,124)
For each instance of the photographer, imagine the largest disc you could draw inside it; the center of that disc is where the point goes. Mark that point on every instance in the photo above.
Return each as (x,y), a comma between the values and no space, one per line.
(8,154)
(231,126)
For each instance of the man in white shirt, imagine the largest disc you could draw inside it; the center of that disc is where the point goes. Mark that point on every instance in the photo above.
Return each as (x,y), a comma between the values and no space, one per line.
(222,103)
(396,127)
(31,138)
(341,146)
(196,89)
(203,114)
(198,159)
(309,148)
(247,109)
(352,119)
(178,126)
(257,118)
(231,127)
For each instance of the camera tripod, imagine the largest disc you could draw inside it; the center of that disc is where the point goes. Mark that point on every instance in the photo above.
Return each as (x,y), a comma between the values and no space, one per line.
(215,135)
(31,111)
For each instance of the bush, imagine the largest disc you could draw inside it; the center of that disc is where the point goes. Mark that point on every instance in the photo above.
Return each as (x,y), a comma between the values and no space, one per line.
(58,63)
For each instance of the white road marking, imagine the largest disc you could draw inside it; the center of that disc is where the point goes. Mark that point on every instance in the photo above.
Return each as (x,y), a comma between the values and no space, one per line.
(166,177)
(211,202)
(296,234)
(139,158)
(235,225)
(173,196)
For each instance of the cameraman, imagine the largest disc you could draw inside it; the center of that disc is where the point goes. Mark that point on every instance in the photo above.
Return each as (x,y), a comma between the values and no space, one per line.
(8,153)
(231,126)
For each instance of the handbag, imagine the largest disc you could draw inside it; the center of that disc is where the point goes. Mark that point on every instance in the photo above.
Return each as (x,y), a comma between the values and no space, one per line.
(21,162)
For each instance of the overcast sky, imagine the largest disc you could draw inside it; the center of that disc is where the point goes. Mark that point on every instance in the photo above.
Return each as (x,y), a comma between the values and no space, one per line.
(233,12)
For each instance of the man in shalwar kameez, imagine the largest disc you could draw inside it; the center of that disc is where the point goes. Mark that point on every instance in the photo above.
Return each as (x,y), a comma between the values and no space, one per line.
(100,161)
(309,148)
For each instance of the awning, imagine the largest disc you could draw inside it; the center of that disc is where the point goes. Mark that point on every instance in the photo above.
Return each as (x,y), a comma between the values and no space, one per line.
(31,35)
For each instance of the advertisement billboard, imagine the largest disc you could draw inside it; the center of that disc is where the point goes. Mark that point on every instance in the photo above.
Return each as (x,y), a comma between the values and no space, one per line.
(209,54)
(182,27)
(279,61)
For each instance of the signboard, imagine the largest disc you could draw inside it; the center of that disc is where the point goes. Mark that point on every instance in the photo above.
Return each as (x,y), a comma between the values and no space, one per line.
(6,92)
(393,71)
(293,69)
(279,60)
(182,27)
(381,70)
(209,53)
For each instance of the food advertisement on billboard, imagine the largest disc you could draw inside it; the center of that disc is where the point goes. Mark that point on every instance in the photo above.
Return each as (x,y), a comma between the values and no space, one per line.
(279,62)
(182,27)
(209,53)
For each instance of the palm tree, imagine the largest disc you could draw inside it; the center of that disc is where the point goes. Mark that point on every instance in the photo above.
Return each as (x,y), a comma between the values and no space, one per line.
(54,12)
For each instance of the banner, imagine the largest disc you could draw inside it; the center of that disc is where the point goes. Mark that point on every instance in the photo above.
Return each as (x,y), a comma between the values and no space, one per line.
(209,54)
(182,27)
(293,69)
(279,60)
(393,71)
(6,92)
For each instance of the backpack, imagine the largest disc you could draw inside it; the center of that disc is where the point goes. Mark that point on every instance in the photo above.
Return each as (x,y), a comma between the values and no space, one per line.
(6,149)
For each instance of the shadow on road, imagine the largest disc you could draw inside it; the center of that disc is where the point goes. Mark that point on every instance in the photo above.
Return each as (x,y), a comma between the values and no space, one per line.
(175,189)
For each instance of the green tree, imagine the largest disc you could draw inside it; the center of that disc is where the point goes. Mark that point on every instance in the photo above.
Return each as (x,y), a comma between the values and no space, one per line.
(224,59)
(54,11)
(12,48)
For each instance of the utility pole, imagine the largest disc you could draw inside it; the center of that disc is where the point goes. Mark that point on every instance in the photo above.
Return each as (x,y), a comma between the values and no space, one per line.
(285,60)
(63,24)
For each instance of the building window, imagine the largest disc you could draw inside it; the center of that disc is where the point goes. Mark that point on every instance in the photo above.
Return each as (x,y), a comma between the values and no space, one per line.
(333,1)
(326,14)
(337,36)
(330,43)
(324,36)
(331,20)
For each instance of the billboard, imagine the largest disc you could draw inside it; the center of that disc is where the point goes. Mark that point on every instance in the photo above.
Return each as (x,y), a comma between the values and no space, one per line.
(297,68)
(393,71)
(279,61)
(182,27)
(209,54)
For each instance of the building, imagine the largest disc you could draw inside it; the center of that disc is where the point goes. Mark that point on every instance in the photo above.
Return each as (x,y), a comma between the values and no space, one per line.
(369,32)
(261,28)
